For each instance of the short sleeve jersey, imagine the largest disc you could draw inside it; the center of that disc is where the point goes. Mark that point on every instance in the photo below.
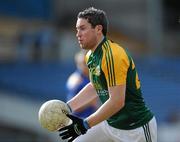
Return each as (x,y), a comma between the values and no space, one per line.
(111,65)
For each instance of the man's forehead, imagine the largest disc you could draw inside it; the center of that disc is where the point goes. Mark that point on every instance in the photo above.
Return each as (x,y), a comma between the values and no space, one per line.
(81,22)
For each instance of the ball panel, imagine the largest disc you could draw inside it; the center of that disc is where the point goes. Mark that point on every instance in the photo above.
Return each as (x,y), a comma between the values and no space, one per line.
(52,115)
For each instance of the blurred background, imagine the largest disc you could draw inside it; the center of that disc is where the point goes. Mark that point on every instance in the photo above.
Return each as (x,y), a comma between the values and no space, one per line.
(37,48)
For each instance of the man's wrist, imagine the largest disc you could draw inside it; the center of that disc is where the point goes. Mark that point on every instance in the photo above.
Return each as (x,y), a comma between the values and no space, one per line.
(86,124)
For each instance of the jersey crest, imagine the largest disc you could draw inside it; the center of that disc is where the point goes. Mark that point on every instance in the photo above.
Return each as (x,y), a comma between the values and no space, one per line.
(97,71)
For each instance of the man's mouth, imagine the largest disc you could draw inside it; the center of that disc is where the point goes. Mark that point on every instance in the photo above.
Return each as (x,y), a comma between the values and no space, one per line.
(80,41)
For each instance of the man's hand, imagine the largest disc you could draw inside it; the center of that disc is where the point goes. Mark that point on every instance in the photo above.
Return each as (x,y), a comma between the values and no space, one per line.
(77,128)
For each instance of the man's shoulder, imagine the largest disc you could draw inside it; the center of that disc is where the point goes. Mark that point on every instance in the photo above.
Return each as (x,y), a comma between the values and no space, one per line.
(115,45)
(117,50)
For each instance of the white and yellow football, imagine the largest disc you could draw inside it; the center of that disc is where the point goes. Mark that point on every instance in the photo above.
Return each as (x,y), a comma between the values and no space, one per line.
(52,115)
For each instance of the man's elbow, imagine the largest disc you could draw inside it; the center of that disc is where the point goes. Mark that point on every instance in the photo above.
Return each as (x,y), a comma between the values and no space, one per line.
(121,104)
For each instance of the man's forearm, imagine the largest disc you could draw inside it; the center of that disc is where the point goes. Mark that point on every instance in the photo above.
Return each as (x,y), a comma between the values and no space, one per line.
(84,98)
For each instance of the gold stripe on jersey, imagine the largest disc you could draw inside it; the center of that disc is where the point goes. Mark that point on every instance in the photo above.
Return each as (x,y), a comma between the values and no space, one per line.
(115,64)
(133,65)
(87,56)
(137,78)
(109,64)
(112,61)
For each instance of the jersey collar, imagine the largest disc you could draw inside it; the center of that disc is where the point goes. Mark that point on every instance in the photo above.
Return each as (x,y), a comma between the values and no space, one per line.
(100,44)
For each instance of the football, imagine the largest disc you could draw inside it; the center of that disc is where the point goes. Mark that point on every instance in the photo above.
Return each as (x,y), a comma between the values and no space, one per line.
(52,115)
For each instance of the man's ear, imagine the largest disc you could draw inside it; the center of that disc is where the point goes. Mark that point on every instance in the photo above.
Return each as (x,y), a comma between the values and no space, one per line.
(99,28)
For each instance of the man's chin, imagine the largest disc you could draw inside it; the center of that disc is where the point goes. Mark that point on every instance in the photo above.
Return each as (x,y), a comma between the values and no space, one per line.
(82,46)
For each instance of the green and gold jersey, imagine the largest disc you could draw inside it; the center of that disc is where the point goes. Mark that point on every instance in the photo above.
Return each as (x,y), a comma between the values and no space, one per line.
(111,65)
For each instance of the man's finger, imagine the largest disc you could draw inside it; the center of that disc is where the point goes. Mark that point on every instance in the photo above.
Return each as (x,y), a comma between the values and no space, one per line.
(71,139)
(64,128)
(64,133)
(66,136)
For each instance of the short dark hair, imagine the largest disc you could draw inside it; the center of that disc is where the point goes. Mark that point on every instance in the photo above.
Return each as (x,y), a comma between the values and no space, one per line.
(95,17)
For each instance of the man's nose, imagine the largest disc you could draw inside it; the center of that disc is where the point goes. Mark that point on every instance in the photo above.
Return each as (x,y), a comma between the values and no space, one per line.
(78,34)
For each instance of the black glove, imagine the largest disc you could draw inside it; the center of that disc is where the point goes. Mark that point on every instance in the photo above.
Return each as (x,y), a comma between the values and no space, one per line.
(72,131)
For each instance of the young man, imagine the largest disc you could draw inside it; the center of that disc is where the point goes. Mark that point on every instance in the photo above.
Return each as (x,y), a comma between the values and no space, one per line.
(123,115)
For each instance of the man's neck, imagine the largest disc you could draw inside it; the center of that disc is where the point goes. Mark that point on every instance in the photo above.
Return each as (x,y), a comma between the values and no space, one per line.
(99,41)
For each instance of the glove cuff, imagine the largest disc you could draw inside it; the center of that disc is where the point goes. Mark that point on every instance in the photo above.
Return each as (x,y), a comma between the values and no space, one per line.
(86,125)
(70,110)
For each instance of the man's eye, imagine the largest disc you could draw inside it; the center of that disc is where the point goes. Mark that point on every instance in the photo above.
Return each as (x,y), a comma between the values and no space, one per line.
(83,28)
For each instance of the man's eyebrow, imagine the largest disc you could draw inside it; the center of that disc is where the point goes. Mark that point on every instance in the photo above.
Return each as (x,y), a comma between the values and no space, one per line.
(81,26)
